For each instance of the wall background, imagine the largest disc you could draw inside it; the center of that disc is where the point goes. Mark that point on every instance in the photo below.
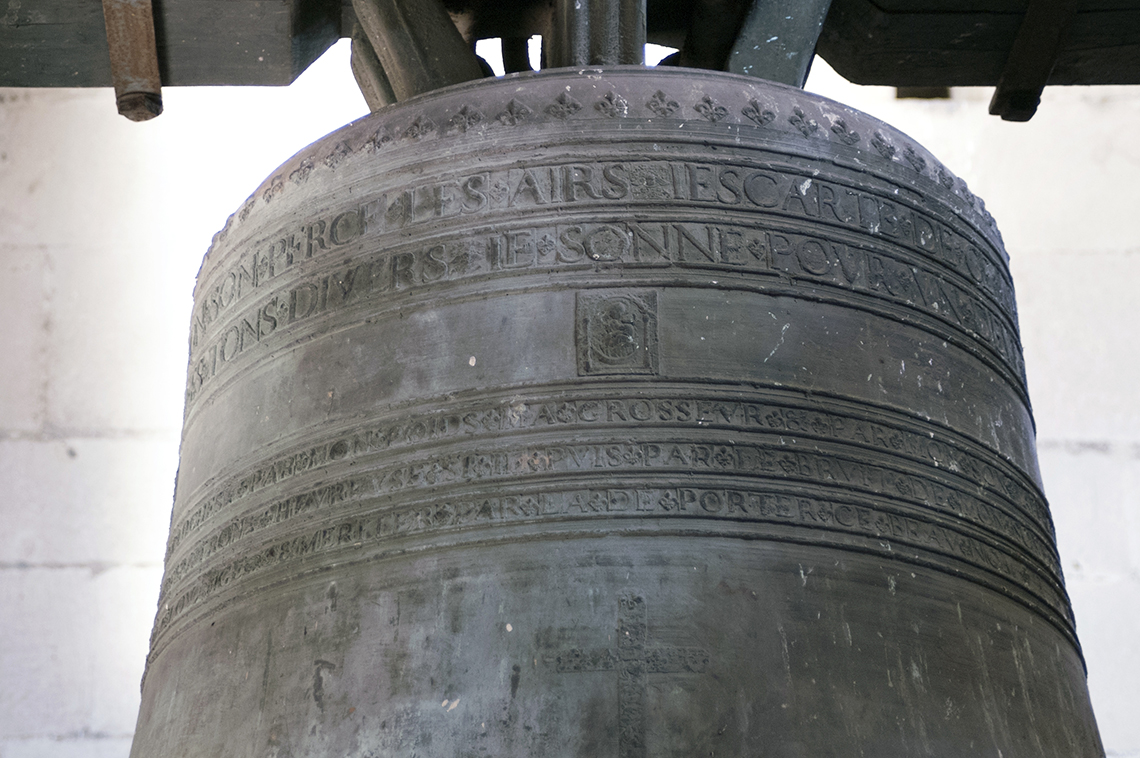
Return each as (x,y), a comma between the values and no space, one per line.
(103,224)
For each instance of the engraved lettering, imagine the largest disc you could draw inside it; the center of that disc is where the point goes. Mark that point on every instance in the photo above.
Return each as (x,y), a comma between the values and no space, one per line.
(617,181)
(346,227)
(804,195)
(698,248)
(527,186)
(701,180)
(730,192)
(762,190)
(578,179)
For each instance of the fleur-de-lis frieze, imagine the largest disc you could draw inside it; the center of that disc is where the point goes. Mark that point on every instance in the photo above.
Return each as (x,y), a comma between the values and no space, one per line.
(466,118)
(759,113)
(884,148)
(806,124)
(338,154)
(301,173)
(844,133)
(378,140)
(662,105)
(612,105)
(276,184)
(420,127)
(711,109)
(564,106)
(514,114)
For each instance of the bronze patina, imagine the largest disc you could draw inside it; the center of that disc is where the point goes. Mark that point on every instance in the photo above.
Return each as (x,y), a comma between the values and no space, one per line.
(610,412)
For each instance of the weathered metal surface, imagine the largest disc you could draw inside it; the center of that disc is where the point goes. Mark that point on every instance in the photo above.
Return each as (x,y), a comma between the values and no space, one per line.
(134,58)
(627,413)
(777,40)
(418,46)
(369,73)
(597,33)
(707,39)
(1032,58)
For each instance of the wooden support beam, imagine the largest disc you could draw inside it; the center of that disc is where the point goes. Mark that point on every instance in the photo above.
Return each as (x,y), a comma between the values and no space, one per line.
(1031,59)
(777,41)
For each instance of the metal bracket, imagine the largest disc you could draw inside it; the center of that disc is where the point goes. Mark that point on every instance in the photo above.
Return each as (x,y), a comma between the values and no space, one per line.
(418,47)
(598,33)
(134,58)
(369,73)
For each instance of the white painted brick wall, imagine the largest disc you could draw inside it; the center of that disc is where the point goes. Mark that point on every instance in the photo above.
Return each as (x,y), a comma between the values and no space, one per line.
(103,224)
(1063,188)
(23,342)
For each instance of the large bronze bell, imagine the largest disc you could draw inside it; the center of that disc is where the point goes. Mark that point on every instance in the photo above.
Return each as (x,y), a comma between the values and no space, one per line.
(620,413)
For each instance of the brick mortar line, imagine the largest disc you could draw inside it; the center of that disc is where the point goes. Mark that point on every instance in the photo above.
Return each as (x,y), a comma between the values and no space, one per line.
(1112,448)
(55,434)
(76,736)
(94,566)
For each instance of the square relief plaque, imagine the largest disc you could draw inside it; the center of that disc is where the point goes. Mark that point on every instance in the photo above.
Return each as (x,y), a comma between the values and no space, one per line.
(616,332)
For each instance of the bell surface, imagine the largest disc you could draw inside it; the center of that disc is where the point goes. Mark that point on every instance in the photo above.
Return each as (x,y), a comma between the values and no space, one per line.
(620,413)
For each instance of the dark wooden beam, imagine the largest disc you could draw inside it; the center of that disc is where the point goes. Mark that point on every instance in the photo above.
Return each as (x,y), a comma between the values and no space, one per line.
(966,43)
(1032,58)
(63,43)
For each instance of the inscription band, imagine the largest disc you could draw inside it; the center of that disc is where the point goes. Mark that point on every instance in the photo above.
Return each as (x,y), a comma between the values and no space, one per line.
(762,509)
(920,444)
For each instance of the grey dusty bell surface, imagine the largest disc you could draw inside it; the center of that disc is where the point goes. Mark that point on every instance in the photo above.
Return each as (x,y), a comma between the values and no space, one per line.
(625,412)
